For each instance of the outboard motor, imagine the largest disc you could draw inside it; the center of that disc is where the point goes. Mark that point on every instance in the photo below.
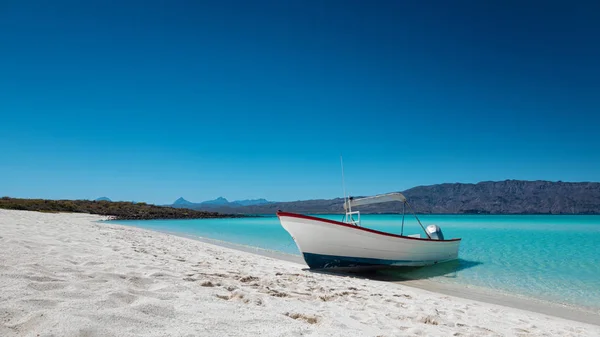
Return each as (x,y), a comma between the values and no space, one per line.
(435,232)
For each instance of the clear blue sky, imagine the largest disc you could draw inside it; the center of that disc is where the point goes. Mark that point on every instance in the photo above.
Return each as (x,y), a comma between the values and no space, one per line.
(153,100)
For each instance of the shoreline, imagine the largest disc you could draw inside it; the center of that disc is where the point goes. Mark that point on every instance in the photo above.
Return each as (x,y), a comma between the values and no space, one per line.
(475,293)
(114,210)
(69,274)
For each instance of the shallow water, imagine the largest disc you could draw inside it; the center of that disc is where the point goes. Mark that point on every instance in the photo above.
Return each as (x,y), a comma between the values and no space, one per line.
(549,257)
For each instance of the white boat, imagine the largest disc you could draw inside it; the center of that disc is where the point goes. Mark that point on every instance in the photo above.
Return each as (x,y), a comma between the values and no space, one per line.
(327,243)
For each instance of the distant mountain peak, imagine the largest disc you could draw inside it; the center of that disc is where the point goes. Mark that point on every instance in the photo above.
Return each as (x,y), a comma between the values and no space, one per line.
(252,202)
(217,201)
(103,199)
(220,202)
(182,201)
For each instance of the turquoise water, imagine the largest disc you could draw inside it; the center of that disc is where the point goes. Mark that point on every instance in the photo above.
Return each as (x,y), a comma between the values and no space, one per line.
(549,257)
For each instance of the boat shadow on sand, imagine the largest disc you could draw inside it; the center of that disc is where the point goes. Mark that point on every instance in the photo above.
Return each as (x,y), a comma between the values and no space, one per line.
(398,274)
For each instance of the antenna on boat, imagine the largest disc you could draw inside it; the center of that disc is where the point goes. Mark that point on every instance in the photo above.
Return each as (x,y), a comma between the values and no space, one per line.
(343,180)
(344,188)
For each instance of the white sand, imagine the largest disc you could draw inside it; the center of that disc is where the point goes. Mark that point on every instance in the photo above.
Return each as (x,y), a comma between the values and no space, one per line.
(66,275)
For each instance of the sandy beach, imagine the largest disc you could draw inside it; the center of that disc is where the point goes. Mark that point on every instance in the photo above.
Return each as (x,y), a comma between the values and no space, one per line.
(70,275)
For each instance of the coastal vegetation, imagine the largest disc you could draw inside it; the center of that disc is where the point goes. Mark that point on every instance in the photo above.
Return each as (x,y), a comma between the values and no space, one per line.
(120,210)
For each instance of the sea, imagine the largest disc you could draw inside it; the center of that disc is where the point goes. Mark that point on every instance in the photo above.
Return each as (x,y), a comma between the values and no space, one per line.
(552,258)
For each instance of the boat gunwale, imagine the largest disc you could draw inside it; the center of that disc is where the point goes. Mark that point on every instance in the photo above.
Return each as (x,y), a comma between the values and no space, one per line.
(339,223)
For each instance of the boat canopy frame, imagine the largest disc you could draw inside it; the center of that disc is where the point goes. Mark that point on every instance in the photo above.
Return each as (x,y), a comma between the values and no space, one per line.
(377,199)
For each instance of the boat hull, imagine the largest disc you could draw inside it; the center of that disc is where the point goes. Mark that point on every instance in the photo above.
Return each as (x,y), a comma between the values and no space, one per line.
(331,244)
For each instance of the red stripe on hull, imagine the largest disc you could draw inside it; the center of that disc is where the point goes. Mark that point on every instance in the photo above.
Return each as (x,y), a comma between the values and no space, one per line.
(339,223)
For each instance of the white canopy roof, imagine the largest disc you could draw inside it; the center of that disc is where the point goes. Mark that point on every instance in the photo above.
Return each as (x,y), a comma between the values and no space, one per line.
(376,199)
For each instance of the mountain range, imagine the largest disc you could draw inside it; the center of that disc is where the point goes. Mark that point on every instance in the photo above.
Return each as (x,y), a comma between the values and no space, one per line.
(218,203)
(488,197)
